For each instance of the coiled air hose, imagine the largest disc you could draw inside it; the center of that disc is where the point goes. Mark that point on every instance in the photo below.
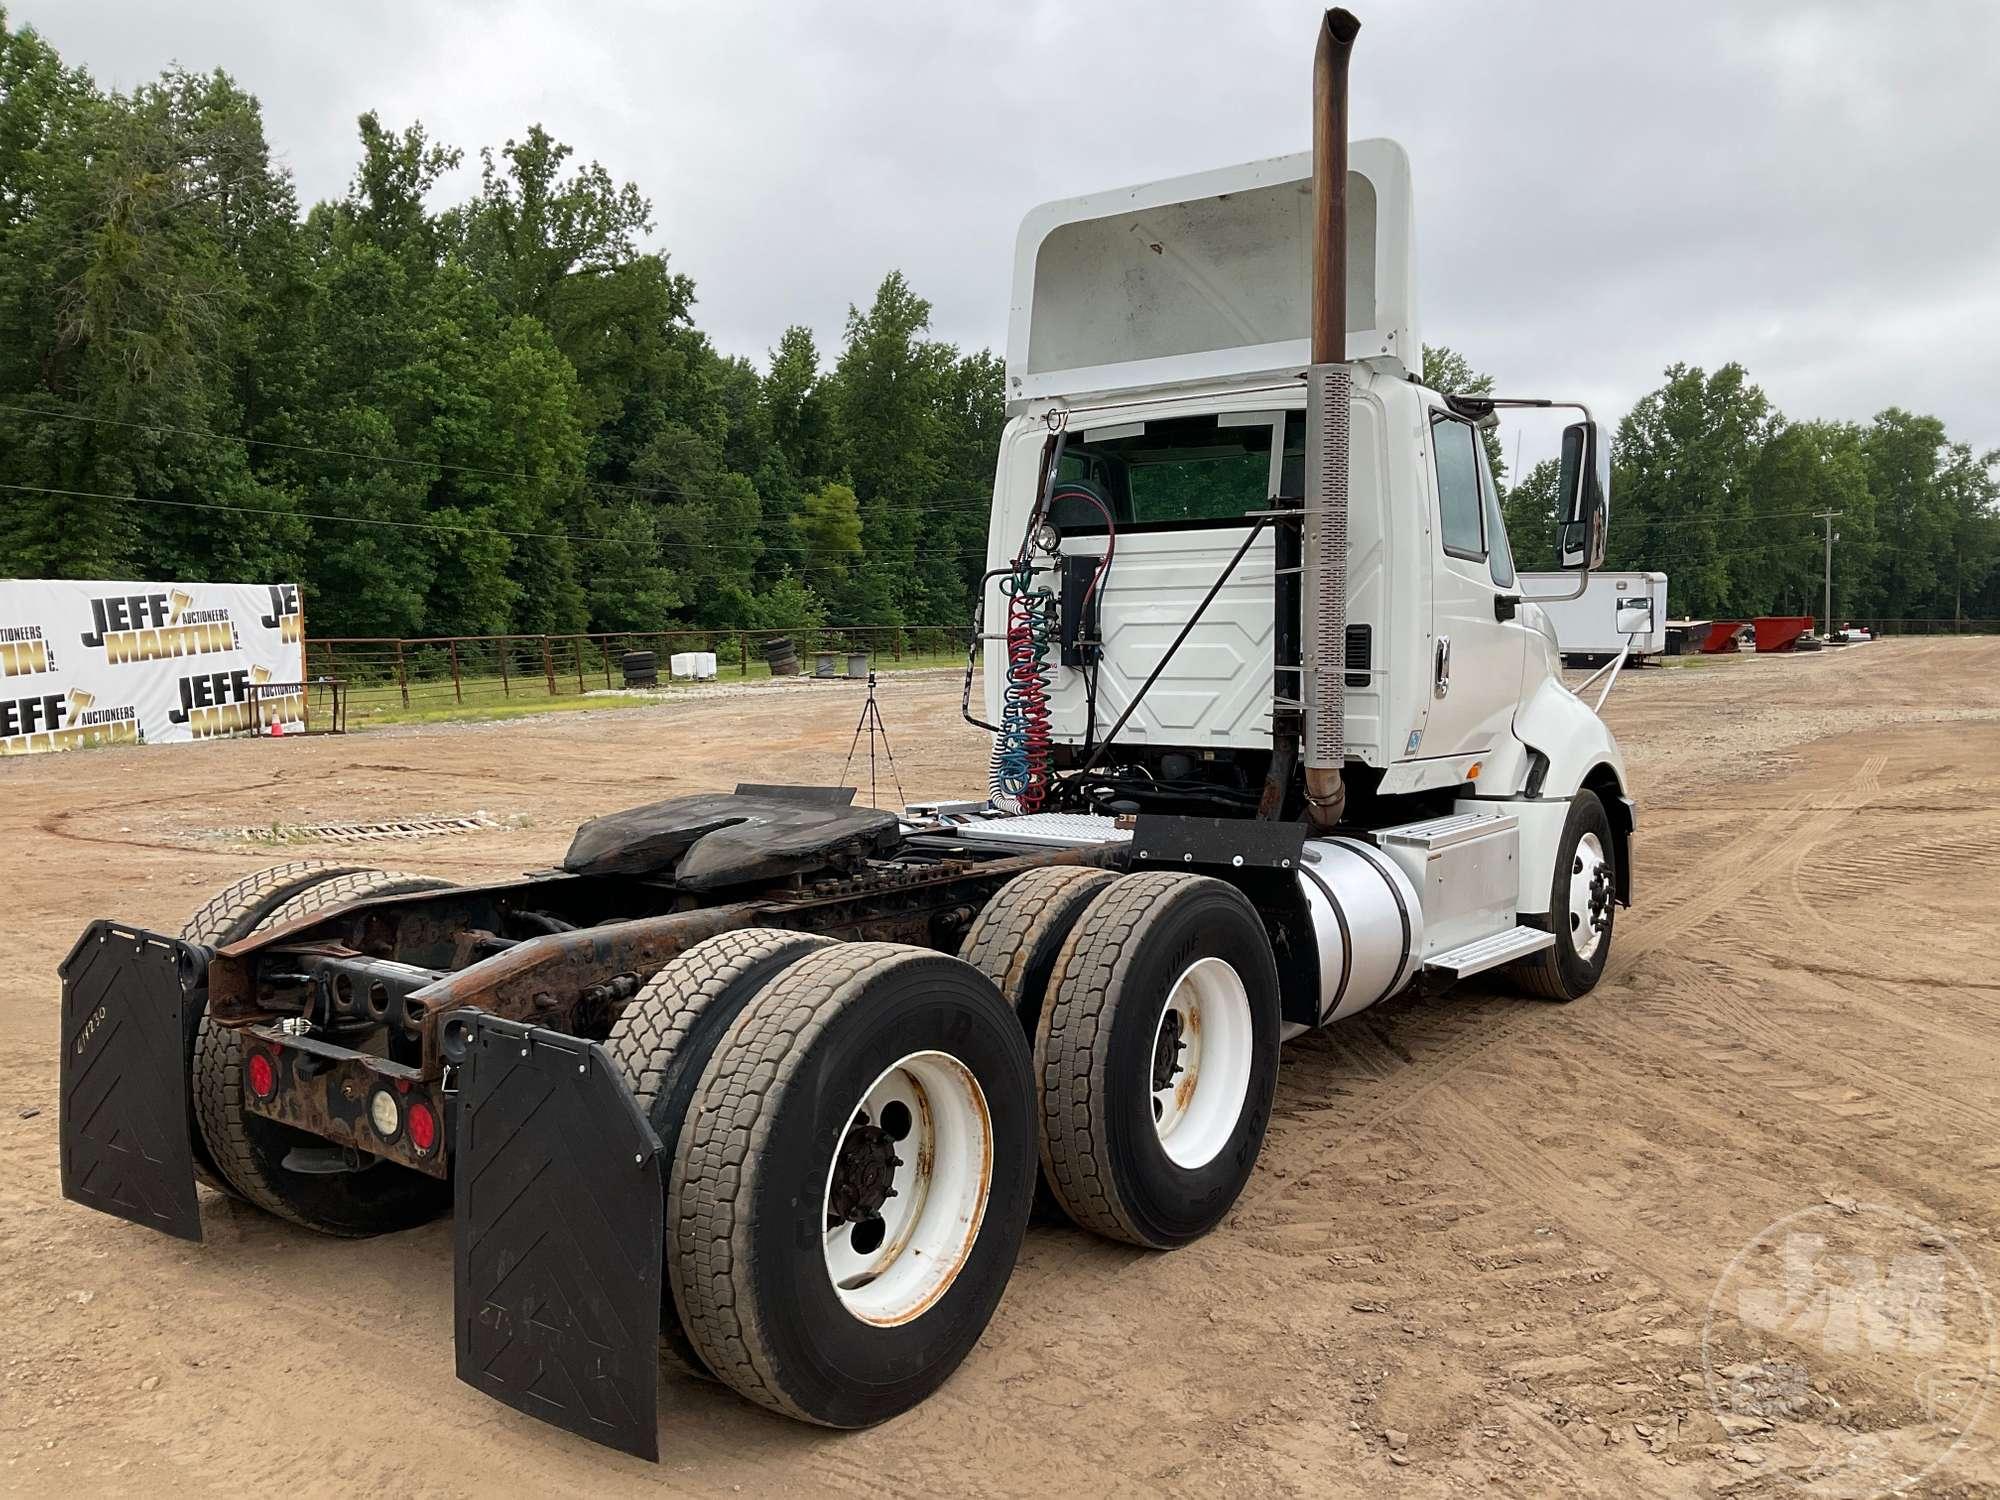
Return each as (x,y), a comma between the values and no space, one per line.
(1021,752)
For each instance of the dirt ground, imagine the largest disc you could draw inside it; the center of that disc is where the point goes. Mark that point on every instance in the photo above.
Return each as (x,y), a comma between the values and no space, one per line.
(1479,1255)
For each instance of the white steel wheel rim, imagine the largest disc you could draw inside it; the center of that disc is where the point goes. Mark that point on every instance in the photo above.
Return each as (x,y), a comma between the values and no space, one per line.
(1207,1021)
(892,1265)
(1586,869)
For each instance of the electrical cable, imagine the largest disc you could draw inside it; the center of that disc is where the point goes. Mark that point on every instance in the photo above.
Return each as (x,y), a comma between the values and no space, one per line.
(1022,747)
(1024,741)
(1095,649)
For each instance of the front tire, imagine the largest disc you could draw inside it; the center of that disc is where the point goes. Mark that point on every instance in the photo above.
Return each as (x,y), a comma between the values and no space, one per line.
(808,1285)
(1157,1058)
(1583,904)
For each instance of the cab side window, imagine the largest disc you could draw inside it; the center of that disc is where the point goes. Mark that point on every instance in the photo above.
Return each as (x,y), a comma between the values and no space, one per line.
(1502,559)
(1461,510)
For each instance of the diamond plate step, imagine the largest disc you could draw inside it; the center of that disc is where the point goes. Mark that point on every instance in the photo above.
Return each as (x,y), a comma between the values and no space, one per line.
(1489,952)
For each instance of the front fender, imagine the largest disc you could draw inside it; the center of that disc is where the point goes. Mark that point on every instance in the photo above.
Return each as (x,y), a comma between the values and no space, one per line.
(1571,739)
(1578,750)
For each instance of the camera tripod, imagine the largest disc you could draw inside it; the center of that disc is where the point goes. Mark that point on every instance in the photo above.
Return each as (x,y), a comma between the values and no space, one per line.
(871,723)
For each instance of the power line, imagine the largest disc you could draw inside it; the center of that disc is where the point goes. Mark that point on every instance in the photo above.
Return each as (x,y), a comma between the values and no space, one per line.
(1755,518)
(375,458)
(405,460)
(307,515)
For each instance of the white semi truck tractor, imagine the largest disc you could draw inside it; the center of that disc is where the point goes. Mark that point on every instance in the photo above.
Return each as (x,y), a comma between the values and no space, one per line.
(762,1083)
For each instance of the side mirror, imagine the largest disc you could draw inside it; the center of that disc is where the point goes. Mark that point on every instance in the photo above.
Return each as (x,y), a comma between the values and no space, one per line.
(1585,490)
(1633,616)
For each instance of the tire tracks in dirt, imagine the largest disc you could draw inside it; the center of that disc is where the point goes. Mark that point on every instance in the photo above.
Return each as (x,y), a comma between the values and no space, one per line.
(1654,1259)
(1452,1045)
(1770,846)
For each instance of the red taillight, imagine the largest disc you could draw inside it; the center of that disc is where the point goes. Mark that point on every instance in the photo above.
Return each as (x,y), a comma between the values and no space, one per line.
(262,1075)
(422,1127)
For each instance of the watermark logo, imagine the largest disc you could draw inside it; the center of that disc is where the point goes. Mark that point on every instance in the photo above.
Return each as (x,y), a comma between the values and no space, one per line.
(1846,1287)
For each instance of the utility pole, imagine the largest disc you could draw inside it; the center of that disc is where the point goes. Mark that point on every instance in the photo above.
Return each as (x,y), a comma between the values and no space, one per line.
(1826,620)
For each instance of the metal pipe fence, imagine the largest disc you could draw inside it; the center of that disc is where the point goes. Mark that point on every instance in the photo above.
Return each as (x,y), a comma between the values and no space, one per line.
(1920,627)
(389,677)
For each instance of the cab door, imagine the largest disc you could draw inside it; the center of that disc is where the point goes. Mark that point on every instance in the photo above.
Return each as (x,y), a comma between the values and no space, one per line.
(1478,645)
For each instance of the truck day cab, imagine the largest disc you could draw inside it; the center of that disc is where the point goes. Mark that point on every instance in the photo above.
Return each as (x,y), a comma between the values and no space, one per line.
(765,1080)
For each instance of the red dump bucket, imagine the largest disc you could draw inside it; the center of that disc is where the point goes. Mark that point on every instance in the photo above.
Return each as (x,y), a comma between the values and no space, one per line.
(1722,636)
(1781,632)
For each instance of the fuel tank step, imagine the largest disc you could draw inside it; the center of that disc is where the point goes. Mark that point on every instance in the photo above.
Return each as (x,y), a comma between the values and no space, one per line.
(1489,952)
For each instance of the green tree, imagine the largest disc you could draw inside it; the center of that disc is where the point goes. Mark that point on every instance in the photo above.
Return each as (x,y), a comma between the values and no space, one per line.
(789,604)
(563,248)
(885,390)
(796,406)
(1917,509)
(629,587)
(828,527)
(1972,491)
(136,234)
(1531,512)
(1683,485)
(1805,468)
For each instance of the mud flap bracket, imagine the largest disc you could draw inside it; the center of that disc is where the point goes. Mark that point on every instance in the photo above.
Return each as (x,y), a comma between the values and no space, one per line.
(124,1076)
(558,1248)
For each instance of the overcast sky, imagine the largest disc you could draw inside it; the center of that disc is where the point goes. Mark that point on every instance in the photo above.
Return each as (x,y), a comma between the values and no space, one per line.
(1601,188)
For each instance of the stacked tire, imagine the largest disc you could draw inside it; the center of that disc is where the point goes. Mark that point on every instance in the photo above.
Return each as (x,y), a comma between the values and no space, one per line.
(782,656)
(641,669)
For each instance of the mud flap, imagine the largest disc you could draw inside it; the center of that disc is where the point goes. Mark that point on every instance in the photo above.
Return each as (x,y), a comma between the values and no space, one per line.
(124,1077)
(558,1243)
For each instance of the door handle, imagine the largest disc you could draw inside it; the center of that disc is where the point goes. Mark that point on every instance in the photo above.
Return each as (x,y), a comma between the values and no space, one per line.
(1442,672)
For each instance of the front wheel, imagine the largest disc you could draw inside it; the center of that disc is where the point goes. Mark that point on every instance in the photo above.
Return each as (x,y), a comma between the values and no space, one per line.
(1583,903)
(852,1183)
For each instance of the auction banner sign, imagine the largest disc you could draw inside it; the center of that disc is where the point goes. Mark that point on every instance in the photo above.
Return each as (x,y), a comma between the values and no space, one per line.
(146,663)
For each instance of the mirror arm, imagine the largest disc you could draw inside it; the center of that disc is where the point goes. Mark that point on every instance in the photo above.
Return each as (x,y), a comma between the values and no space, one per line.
(1613,667)
(1474,407)
(1582,582)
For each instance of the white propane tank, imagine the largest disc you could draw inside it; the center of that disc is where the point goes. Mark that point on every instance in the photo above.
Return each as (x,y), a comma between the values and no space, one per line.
(1368,924)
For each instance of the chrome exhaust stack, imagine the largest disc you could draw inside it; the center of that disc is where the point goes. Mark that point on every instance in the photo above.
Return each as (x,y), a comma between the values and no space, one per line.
(1329,390)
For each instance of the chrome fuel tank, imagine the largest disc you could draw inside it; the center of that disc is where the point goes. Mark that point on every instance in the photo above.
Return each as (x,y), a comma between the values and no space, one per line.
(1368,924)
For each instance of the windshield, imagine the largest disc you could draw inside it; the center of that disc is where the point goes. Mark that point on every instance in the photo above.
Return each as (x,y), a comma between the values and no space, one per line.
(1170,473)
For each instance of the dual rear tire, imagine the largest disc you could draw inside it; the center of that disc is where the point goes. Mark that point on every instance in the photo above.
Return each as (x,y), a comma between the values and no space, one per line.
(1156,1058)
(1152,1002)
(853,1130)
(850,1129)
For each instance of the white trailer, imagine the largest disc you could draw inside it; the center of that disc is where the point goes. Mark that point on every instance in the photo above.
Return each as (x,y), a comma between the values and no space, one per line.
(1615,612)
